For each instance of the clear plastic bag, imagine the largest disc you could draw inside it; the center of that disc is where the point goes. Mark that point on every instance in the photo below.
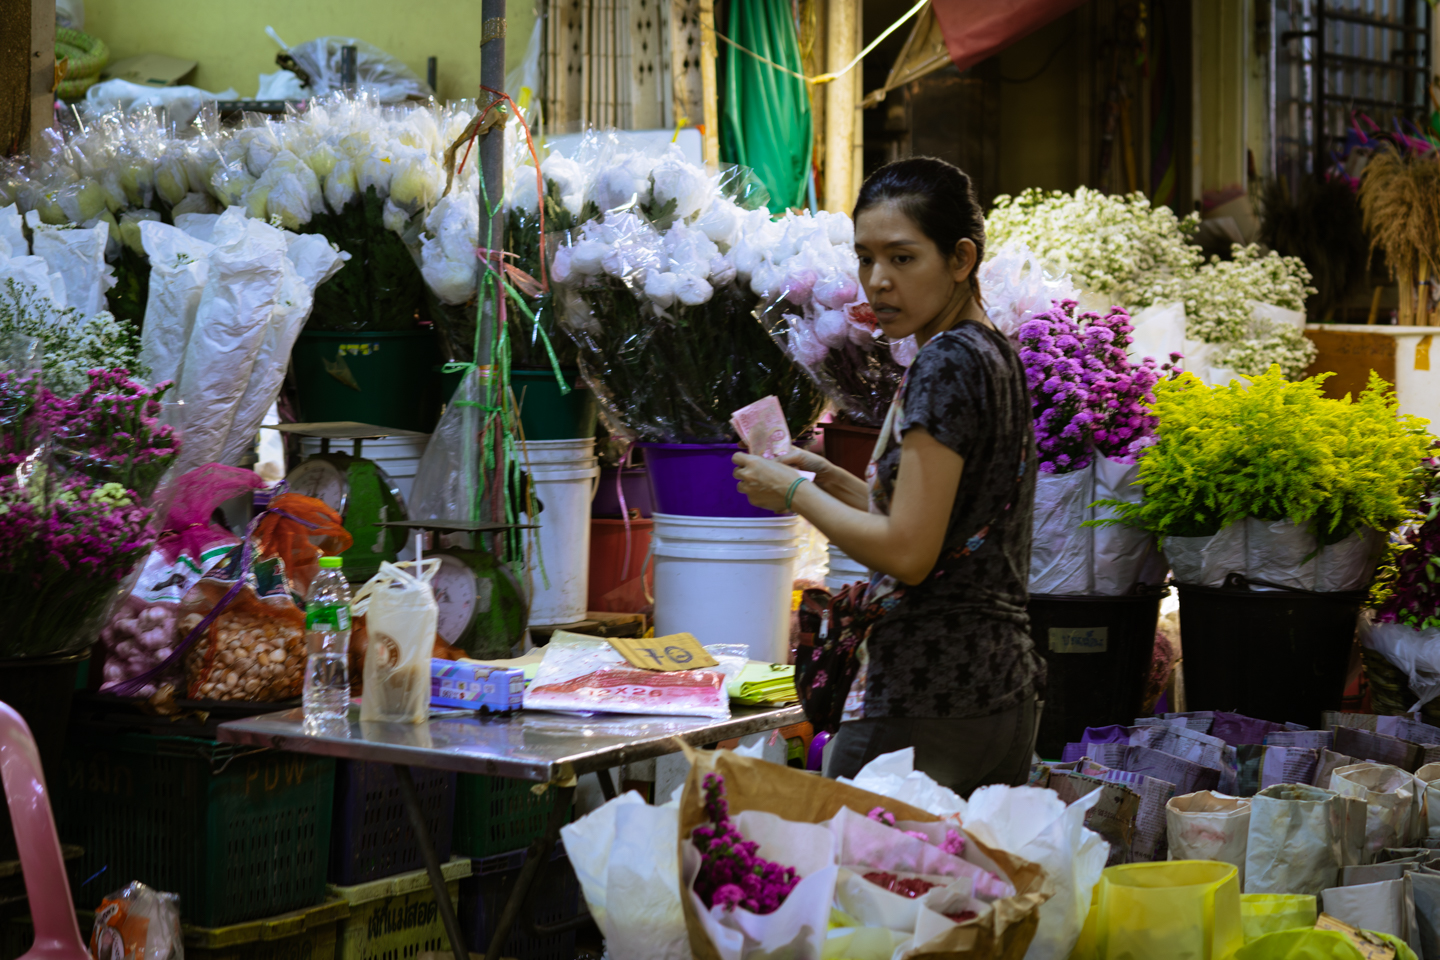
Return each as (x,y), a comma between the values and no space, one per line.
(378,73)
(400,616)
(137,923)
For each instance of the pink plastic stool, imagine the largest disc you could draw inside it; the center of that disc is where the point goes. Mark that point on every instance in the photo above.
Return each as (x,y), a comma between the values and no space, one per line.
(57,935)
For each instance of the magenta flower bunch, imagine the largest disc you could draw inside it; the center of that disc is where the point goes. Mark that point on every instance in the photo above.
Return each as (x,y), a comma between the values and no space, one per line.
(110,431)
(75,477)
(1086,393)
(730,872)
(953,844)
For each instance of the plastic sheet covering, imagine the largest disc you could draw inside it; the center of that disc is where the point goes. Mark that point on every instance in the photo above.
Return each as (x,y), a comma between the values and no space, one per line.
(378,73)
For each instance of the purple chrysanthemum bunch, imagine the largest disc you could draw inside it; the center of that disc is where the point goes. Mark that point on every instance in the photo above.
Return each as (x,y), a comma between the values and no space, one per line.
(1086,393)
(730,872)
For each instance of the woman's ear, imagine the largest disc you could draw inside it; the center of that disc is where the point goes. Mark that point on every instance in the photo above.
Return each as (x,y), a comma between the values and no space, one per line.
(962,261)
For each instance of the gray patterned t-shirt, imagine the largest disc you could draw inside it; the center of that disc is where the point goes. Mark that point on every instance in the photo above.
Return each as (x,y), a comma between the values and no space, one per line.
(958,644)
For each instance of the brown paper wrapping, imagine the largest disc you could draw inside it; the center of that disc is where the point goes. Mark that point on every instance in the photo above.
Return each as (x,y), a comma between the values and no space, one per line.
(1004,933)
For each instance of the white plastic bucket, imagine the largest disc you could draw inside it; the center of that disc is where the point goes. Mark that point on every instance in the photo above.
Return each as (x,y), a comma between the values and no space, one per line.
(843,570)
(726,580)
(557,556)
(397,456)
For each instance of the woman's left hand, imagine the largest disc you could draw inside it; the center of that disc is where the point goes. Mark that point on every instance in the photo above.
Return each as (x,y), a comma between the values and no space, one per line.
(764,482)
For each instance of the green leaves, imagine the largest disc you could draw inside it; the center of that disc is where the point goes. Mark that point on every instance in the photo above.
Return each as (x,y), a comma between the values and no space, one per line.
(1278,450)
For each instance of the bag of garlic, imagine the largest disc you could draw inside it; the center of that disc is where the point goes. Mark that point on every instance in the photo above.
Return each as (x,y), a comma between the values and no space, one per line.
(244,632)
(400,616)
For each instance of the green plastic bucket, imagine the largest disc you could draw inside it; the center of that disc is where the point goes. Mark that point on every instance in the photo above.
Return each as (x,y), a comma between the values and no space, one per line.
(545,414)
(384,378)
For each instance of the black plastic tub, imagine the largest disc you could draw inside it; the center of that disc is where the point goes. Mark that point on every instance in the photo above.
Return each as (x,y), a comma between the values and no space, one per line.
(1099,650)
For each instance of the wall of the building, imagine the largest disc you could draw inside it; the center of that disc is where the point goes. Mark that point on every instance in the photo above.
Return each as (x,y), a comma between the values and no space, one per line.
(228,38)
(1040,119)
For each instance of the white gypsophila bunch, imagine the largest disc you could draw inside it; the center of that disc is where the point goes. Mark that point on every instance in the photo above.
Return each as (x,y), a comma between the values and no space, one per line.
(1112,246)
(71,344)
(1271,343)
(1219,296)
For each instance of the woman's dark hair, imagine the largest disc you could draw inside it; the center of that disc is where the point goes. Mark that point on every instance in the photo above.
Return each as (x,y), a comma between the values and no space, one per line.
(938,196)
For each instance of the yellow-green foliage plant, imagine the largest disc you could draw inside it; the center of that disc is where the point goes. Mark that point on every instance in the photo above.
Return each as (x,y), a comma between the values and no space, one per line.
(1277,449)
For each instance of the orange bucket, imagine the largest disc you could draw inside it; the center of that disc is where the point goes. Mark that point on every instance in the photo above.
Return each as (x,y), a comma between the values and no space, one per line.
(615,585)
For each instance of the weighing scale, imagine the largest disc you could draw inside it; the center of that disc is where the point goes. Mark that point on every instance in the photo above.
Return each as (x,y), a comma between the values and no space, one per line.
(366,498)
(483,608)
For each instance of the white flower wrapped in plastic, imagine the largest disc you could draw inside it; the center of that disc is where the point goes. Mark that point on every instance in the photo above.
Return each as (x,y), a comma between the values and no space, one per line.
(417,180)
(172,181)
(679,182)
(571,179)
(341,185)
(1018,286)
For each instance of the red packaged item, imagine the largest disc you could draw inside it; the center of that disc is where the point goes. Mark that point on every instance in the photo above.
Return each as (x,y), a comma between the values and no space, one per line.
(581,674)
(137,923)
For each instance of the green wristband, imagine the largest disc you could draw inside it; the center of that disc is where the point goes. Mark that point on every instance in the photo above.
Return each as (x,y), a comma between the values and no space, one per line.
(790,494)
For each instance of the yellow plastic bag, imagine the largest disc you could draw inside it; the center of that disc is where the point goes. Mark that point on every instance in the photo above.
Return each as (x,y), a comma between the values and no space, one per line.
(1262,913)
(1314,945)
(1301,945)
(1158,911)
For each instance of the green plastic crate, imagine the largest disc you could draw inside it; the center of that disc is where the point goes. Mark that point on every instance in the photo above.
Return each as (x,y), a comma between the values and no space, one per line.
(395,918)
(239,834)
(497,815)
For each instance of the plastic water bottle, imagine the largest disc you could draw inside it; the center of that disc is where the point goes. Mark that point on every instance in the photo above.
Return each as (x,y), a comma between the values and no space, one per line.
(327,644)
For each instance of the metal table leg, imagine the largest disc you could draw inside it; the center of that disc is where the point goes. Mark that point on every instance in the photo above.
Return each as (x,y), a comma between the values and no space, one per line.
(536,859)
(432,862)
(607,784)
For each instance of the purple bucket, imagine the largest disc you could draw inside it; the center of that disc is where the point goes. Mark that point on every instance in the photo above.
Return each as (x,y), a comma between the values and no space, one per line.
(696,480)
(636,485)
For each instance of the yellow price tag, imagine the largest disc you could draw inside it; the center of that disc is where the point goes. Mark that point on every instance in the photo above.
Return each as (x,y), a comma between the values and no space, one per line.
(678,651)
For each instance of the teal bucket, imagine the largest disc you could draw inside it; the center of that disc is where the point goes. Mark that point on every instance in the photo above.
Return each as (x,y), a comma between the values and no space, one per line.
(384,378)
(546,414)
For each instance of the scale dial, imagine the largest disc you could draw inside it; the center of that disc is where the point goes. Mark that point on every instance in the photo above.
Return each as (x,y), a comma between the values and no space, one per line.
(318,477)
(456,587)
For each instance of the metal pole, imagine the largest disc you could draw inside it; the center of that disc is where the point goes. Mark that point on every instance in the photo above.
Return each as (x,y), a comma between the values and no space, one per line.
(432,862)
(492,157)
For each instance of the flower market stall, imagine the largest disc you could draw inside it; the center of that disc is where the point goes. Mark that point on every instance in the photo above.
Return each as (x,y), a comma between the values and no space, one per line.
(566,374)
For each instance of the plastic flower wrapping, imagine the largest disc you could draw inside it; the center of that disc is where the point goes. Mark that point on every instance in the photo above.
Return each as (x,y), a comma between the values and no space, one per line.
(803,269)
(1121,250)
(652,296)
(75,501)
(366,176)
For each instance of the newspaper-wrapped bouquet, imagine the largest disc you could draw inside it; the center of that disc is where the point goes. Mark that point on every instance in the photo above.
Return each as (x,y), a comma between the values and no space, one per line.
(1091,428)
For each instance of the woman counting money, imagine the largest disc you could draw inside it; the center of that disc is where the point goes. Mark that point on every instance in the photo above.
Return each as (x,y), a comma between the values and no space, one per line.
(938,645)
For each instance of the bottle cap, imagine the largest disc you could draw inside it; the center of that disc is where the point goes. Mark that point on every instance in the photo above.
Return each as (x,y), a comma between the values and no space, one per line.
(330,563)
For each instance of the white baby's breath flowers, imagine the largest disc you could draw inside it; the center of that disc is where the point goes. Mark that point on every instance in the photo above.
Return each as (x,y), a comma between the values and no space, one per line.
(1121,250)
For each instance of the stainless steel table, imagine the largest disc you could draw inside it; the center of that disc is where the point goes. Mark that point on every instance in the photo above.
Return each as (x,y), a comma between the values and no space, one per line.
(548,748)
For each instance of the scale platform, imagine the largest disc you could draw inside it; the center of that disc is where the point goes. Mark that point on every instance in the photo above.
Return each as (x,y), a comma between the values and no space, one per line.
(350,430)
